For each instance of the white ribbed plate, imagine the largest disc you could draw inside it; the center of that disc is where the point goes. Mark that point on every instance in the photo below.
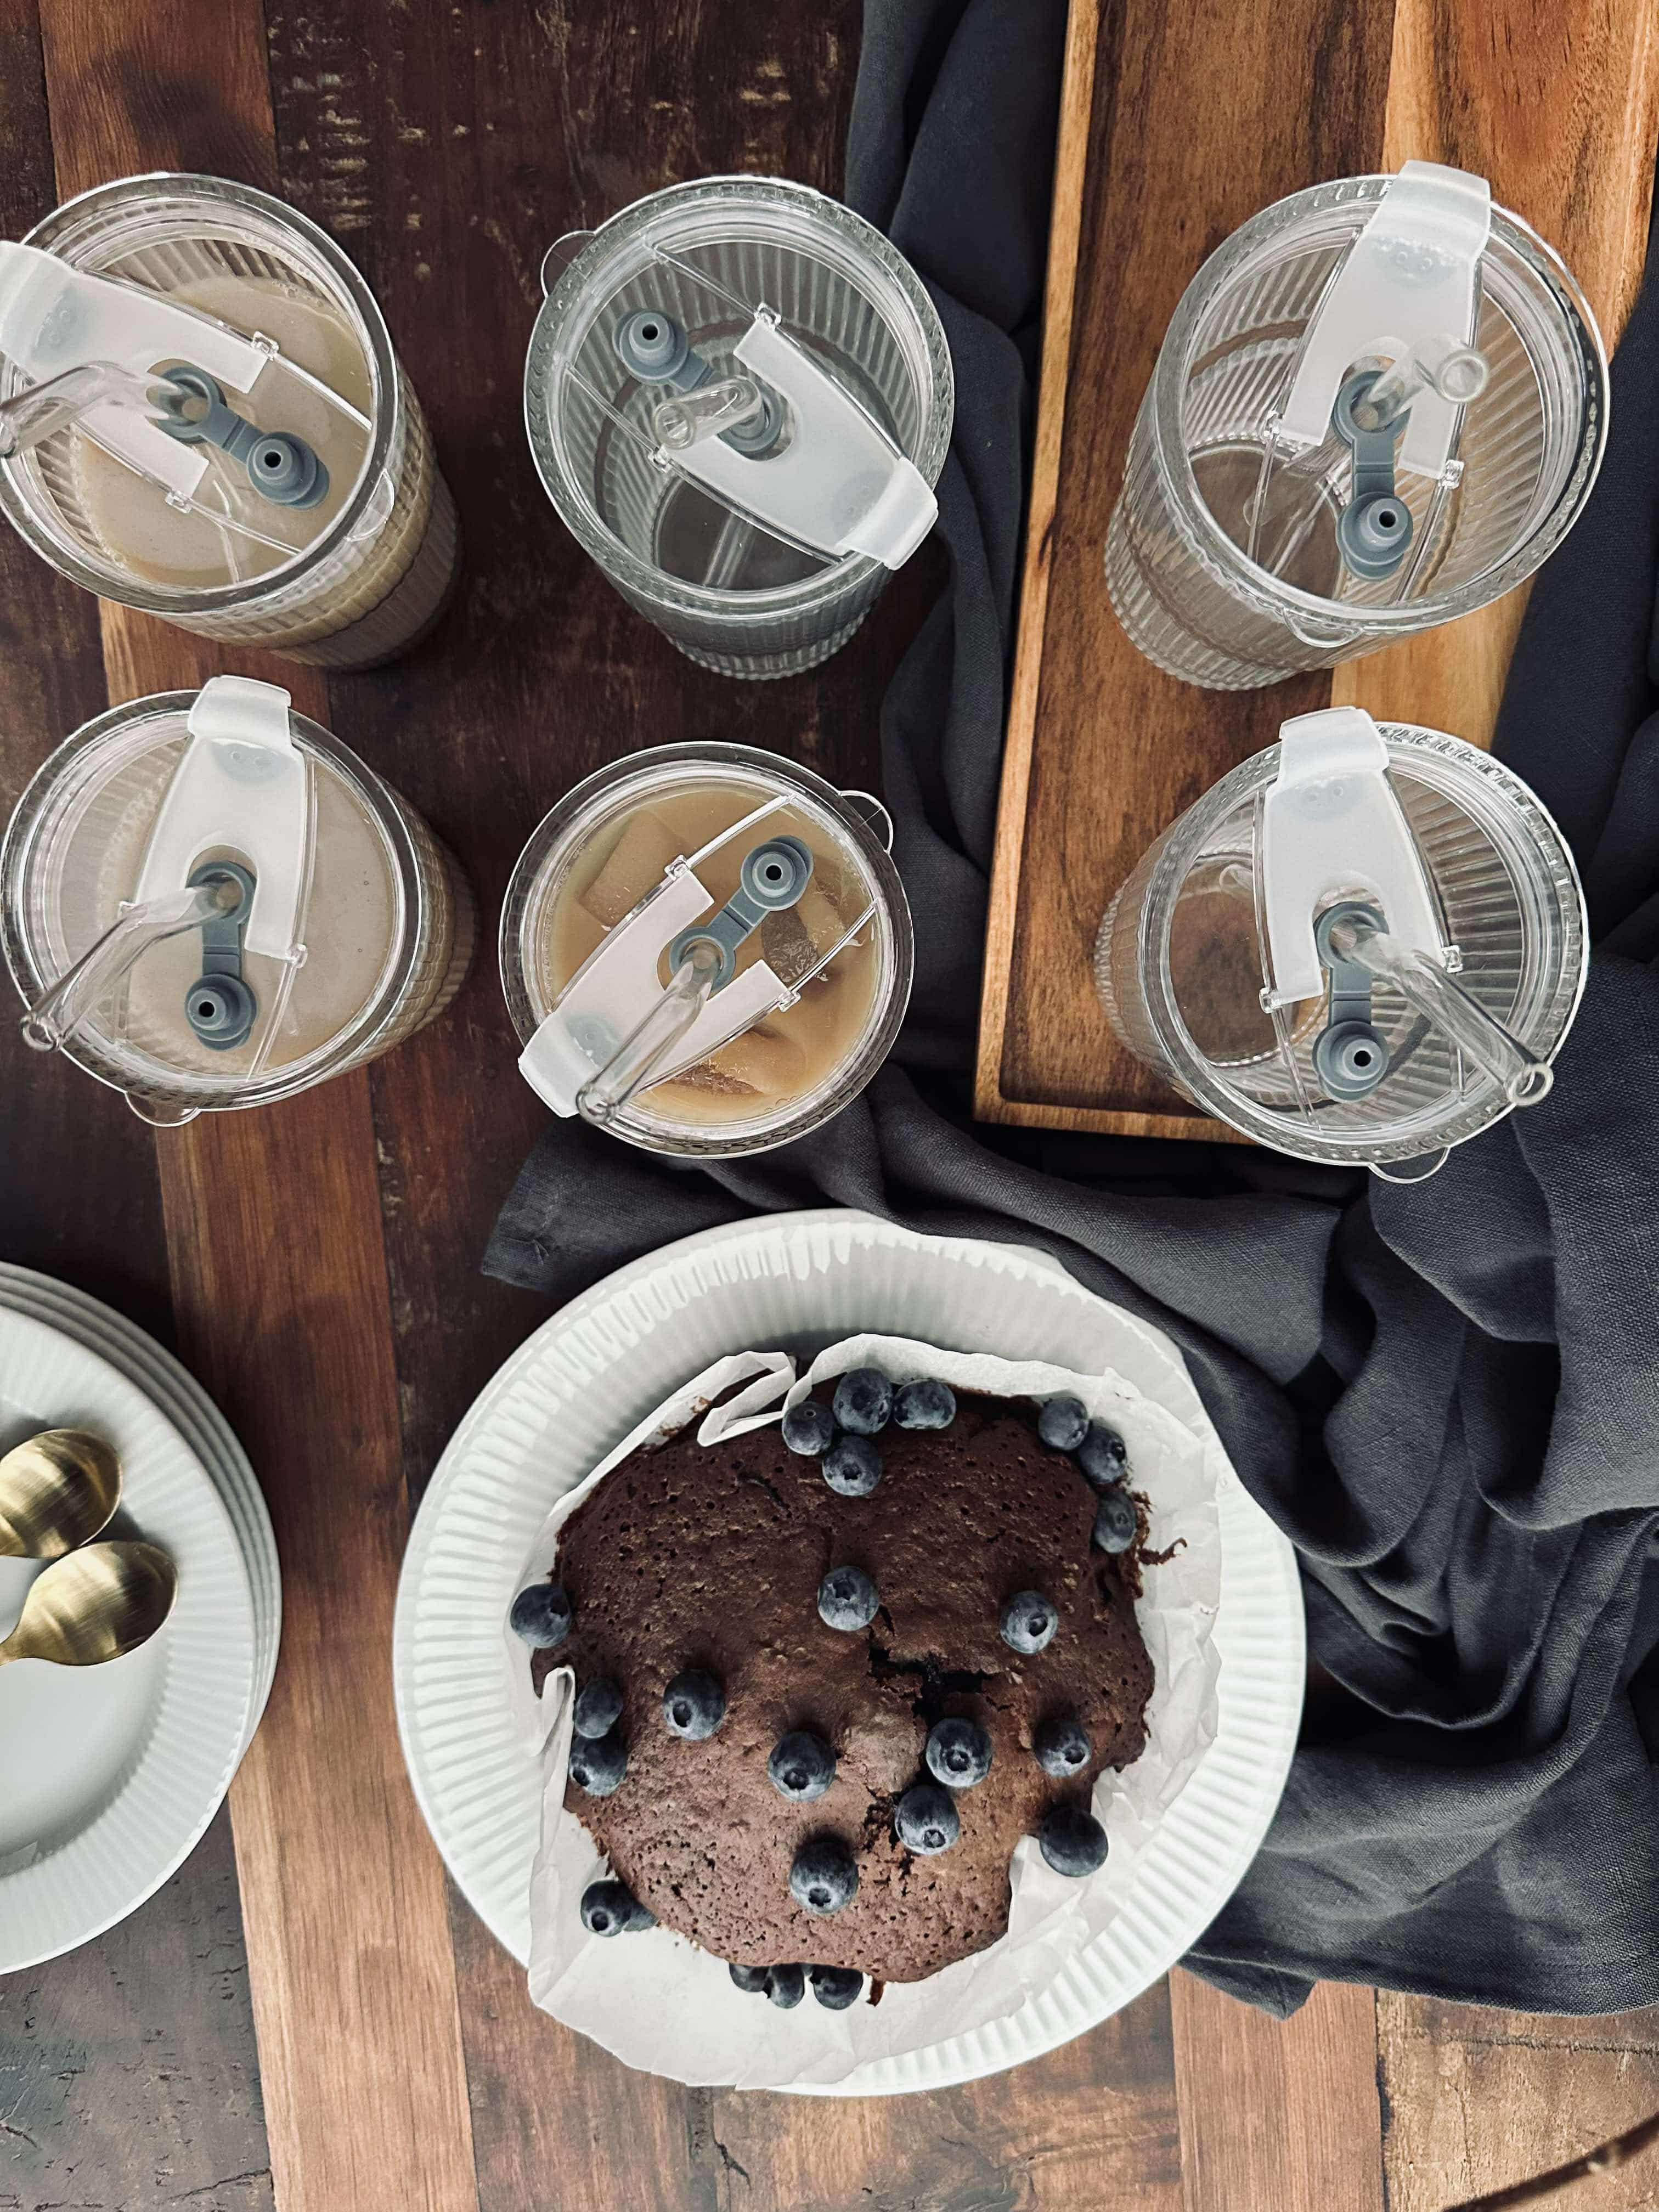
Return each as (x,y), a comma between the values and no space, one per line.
(197,1419)
(798,1281)
(114,1771)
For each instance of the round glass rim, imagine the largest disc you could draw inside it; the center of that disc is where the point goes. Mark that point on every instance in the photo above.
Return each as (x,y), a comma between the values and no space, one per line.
(1211,543)
(386,403)
(17,852)
(623,566)
(1183,1059)
(703,1140)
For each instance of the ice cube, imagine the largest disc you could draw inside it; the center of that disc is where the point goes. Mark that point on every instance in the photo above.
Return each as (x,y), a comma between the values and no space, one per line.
(762,1061)
(634,865)
(796,938)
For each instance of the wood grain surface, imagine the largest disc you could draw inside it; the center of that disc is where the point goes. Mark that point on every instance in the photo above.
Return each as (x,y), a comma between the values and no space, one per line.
(349,2039)
(1559,105)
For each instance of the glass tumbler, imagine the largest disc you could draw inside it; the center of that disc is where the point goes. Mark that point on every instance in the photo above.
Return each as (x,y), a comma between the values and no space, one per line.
(735,595)
(1185,968)
(1224,555)
(846,950)
(346,582)
(384,923)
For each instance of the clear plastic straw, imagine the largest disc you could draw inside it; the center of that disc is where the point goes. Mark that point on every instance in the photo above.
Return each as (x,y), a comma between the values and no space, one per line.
(32,415)
(634,1063)
(1523,1078)
(54,1017)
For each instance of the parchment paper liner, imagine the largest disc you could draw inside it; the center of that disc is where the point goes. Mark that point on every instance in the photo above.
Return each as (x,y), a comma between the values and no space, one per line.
(659,2002)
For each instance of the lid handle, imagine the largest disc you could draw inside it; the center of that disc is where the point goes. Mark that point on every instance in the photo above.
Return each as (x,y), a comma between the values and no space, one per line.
(58,1013)
(600,1015)
(54,317)
(1332,829)
(242,785)
(1409,287)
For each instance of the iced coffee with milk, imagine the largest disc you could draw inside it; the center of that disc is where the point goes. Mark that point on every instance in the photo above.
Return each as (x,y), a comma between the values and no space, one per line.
(210,902)
(235,447)
(642,866)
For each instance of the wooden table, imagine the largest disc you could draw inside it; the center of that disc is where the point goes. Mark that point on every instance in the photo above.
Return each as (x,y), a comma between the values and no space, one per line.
(308,2016)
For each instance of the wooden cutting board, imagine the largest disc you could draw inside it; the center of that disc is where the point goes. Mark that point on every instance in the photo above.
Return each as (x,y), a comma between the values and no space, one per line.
(1180,119)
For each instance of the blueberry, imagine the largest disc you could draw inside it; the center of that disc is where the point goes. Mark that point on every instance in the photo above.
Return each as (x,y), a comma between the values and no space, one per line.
(598,1765)
(1072,1841)
(599,1708)
(1102,1456)
(1116,1520)
(925,1405)
(846,1599)
(751,1980)
(836,1987)
(610,1908)
(802,1766)
(1063,1423)
(824,1876)
(809,1429)
(853,1465)
(541,1614)
(926,1820)
(1061,1747)
(958,1754)
(786,1985)
(863,1401)
(693,1705)
(1028,1622)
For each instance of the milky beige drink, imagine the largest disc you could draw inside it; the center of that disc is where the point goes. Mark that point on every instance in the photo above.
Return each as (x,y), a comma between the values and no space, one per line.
(384,927)
(841,953)
(351,579)
(153,541)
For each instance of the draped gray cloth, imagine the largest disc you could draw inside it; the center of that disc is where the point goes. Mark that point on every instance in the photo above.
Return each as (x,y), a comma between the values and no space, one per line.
(1447,1396)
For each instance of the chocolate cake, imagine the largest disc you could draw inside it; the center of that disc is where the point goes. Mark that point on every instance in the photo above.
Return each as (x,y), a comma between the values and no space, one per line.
(691,1563)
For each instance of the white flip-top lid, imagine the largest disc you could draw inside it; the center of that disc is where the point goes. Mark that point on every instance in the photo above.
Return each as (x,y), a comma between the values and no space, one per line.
(243,785)
(619,984)
(54,318)
(1331,827)
(1410,283)
(839,483)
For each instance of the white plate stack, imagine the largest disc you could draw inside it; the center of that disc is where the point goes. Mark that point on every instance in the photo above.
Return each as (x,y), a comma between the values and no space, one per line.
(113,1772)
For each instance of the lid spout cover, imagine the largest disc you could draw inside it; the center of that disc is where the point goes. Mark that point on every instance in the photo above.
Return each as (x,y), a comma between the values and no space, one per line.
(1410,282)
(1333,829)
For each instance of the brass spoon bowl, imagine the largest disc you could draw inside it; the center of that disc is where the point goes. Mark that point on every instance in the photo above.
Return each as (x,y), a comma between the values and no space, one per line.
(57,1491)
(97,1604)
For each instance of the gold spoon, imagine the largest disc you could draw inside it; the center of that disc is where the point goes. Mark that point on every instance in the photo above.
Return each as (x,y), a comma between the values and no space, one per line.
(97,1604)
(56,1492)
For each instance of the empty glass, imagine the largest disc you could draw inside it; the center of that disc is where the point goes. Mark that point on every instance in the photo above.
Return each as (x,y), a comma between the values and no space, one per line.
(706,950)
(309,515)
(738,397)
(208,903)
(1364,946)
(1266,525)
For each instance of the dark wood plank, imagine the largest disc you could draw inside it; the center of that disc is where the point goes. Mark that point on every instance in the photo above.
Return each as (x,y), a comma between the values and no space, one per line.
(407,137)
(128,2074)
(280,1287)
(1091,2126)
(52,680)
(1480,2098)
(1278,2113)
